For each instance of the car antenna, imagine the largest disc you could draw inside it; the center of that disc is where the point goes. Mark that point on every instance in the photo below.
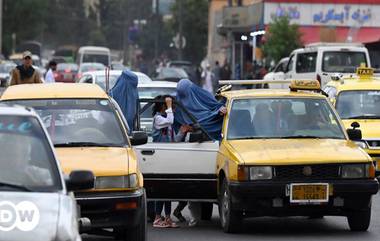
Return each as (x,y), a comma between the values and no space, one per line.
(107,70)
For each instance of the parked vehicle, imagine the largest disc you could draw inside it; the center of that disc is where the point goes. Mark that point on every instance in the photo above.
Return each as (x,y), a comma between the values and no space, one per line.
(32,183)
(89,131)
(321,60)
(94,54)
(66,72)
(189,68)
(278,73)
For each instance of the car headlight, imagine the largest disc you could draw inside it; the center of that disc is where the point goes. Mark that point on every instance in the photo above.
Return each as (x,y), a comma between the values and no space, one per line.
(356,170)
(361,144)
(260,173)
(127,181)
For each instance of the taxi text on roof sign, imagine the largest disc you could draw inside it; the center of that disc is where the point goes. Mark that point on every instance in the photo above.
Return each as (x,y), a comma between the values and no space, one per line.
(304,85)
(364,72)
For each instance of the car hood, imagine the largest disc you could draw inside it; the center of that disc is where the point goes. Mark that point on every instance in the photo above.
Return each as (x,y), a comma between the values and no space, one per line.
(37,215)
(370,128)
(102,161)
(297,151)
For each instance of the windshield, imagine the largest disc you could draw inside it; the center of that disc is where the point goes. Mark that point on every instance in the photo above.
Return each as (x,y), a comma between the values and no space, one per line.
(6,68)
(363,104)
(172,73)
(87,122)
(282,118)
(342,62)
(26,157)
(101,80)
(96,58)
(152,92)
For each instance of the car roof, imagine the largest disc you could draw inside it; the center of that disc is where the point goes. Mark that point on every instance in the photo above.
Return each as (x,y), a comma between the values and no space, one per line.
(112,72)
(16,110)
(158,84)
(269,93)
(358,84)
(92,48)
(53,91)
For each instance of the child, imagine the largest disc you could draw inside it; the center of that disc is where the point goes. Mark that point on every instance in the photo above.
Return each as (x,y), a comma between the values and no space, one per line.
(163,131)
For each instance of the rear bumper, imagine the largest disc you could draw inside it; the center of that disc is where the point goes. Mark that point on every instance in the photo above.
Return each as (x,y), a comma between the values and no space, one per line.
(101,208)
(272,199)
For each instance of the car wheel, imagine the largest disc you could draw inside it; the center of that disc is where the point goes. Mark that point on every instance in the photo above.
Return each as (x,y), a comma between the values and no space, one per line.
(137,233)
(206,211)
(230,219)
(359,220)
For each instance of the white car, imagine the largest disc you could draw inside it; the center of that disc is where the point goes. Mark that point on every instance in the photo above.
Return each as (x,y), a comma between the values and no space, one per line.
(36,202)
(278,73)
(321,60)
(99,78)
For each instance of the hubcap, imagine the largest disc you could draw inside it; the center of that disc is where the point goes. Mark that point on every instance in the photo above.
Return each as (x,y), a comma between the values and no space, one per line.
(225,207)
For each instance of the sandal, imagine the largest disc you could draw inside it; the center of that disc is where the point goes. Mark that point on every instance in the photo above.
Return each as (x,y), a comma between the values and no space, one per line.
(170,223)
(159,223)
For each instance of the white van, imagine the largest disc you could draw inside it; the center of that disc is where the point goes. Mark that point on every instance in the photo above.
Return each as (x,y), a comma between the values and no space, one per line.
(94,54)
(321,60)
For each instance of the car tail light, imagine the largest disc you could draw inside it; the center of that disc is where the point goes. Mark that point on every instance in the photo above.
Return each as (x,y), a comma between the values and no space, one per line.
(56,75)
(319,79)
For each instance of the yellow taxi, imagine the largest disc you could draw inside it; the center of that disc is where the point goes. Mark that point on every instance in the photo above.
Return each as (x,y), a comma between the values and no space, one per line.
(89,132)
(357,100)
(286,153)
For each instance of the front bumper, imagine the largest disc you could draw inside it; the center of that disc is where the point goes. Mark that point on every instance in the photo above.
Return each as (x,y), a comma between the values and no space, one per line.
(270,198)
(112,209)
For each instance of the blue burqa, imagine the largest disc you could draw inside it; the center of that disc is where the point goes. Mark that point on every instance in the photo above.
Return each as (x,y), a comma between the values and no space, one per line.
(202,105)
(126,95)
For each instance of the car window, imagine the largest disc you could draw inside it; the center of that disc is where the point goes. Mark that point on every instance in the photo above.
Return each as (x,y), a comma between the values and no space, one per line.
(289,66)
(101,81)
(306,62)
(86,79)
(281,67)
(282,117)
(79,120)
(96,58)
(91,67)
(26,157)
(358,104)
(342,61)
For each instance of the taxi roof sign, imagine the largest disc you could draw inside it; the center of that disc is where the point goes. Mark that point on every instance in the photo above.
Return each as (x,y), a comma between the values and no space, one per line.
(312,85)
(364,72)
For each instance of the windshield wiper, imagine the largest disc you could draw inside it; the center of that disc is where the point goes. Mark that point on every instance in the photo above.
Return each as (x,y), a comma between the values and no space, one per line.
(15,186)
(363,117)
(81,144)
(301,137)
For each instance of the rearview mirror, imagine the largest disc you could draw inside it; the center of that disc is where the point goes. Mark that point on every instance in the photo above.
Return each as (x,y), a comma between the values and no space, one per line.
(80,180)
(138,138)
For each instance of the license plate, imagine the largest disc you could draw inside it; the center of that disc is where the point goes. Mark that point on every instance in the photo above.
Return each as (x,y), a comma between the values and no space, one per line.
(67,76)
(309,193)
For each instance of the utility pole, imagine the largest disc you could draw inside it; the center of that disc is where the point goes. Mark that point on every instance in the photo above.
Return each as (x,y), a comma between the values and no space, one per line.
(157,30)
(180,8)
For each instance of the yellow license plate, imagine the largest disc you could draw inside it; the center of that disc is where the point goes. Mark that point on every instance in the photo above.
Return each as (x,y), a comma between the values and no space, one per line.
(309,193)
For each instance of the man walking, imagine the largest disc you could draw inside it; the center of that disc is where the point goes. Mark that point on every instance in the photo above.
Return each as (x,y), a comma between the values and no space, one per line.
(49,77)
(25,73)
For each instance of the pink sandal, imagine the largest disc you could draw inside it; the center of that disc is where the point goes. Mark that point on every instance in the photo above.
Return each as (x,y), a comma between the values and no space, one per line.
(170,223)
(159,223)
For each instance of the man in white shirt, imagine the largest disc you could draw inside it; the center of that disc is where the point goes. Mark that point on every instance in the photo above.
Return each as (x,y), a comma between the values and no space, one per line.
(49,77)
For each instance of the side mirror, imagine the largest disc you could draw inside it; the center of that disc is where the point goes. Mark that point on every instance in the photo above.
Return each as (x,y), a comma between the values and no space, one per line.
(354,134)
(138,138)
(80,180)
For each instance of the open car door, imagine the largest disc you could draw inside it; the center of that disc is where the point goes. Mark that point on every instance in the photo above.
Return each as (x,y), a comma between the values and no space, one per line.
(182,170)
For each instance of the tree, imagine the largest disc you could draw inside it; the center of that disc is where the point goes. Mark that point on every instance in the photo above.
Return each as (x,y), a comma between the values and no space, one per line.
(281,39)
(195,26)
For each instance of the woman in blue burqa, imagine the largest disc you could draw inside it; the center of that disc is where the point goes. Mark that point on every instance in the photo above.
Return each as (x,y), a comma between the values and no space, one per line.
(126,95)
(202,105)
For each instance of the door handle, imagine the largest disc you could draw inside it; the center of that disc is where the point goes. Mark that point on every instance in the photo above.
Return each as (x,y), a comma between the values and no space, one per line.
(325,74)
(148,152)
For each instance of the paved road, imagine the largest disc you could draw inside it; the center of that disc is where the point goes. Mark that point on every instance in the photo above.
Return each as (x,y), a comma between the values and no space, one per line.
(276,229)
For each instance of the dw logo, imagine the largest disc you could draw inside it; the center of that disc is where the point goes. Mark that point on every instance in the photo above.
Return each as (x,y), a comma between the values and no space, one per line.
(25,216)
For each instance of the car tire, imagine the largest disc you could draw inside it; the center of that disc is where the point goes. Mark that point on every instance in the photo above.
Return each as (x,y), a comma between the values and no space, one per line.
(359,220)
(137,233)
(231,220)
(206,211)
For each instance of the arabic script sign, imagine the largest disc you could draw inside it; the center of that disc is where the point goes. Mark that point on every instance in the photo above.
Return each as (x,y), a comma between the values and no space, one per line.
(349,15)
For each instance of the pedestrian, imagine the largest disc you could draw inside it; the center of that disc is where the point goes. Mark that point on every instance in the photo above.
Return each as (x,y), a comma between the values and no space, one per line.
(225,71)
(216,71)
(49,77)
(163,131)
(208,79)
(126,95)
(25,73)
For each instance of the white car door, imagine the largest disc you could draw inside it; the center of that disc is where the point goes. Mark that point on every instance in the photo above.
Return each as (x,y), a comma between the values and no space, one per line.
(179,171)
